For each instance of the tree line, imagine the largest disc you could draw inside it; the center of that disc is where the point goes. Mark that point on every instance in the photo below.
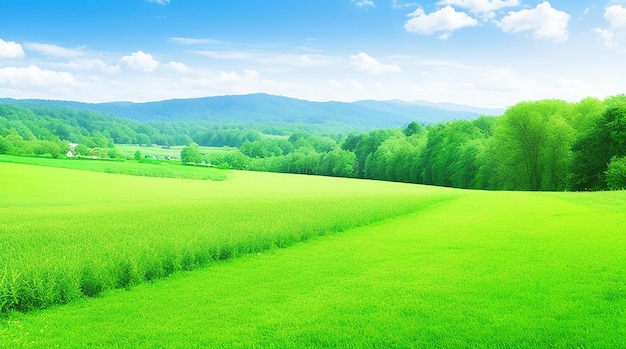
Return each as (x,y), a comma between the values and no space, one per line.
(547,145)
(540,145)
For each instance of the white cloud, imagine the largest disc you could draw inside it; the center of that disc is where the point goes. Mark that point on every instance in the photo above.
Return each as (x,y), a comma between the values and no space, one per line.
(141,61)
(402,4)
(611,37)
(366,63)
(234,77)
(53,50)
(10,49)
(92,64)
(160,2)
(299,60)
(446,19)
(178,67)
(193,41)
(544,21)
(480,6)
(616,15)
(364,3)
(607,37)
(33,76)
(227,54)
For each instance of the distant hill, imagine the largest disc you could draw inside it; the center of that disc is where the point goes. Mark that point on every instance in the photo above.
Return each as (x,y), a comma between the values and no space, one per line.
(270,109)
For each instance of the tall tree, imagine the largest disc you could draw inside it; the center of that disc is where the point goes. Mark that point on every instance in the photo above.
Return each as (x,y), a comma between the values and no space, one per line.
(531,146)
(594,150)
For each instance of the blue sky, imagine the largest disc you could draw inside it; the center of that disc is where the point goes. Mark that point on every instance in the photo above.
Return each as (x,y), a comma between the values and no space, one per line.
(487,53)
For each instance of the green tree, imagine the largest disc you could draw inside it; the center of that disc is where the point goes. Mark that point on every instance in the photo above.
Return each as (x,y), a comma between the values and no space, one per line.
(414,128)
(82,149)
(138,155)
(4,147)
(616,174)
(191,154)
(532,144)
(593,151)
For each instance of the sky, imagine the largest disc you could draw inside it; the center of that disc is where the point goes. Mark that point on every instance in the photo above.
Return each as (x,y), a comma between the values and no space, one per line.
(482,53)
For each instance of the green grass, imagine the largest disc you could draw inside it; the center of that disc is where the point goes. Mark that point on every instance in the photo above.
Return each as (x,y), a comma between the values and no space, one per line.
(428,267)
(168,169)
(68,234)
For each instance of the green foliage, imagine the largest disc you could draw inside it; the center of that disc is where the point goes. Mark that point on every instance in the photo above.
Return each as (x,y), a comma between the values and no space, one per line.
(414,128)
(532,144)
(593,150)
(543,145)
(191,154)
(616,174)
(4,147)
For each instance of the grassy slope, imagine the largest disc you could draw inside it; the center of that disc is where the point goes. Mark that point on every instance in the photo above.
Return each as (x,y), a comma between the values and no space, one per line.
(67,233)
(166,169)
(486,269)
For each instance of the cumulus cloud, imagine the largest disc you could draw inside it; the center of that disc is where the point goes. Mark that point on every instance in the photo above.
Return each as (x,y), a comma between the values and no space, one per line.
(33,76)
(616,15)
(53,50)
(10,49)
(92,64)
(141,61)
(445,20)
(366,63)
(611,37)
(364,3)
(178,67)
(480,6)
(544,21)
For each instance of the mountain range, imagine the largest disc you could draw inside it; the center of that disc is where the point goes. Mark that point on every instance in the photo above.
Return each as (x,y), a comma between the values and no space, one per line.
(271,109)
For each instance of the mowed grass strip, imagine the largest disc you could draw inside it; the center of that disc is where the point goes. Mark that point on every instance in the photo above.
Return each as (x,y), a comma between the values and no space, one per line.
(167,169)
(66,234)
(506,270)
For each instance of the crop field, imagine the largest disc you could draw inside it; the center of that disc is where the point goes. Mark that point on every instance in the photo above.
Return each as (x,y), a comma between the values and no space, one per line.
(369,264)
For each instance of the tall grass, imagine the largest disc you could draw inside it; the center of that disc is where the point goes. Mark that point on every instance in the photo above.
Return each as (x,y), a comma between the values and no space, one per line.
(67,234)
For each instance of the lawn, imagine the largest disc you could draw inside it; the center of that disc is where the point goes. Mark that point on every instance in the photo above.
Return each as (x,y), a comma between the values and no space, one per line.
(406,265)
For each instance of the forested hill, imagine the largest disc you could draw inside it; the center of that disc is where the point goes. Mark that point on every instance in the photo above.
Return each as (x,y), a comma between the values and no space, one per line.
(270,109)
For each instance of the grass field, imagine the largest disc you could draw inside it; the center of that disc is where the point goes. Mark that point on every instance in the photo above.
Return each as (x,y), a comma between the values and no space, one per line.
(167,169)
(412,266)
(68,233)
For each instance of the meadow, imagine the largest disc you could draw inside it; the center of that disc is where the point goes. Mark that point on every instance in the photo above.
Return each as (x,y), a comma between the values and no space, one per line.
(167,169)
(369,264)
(69,233)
